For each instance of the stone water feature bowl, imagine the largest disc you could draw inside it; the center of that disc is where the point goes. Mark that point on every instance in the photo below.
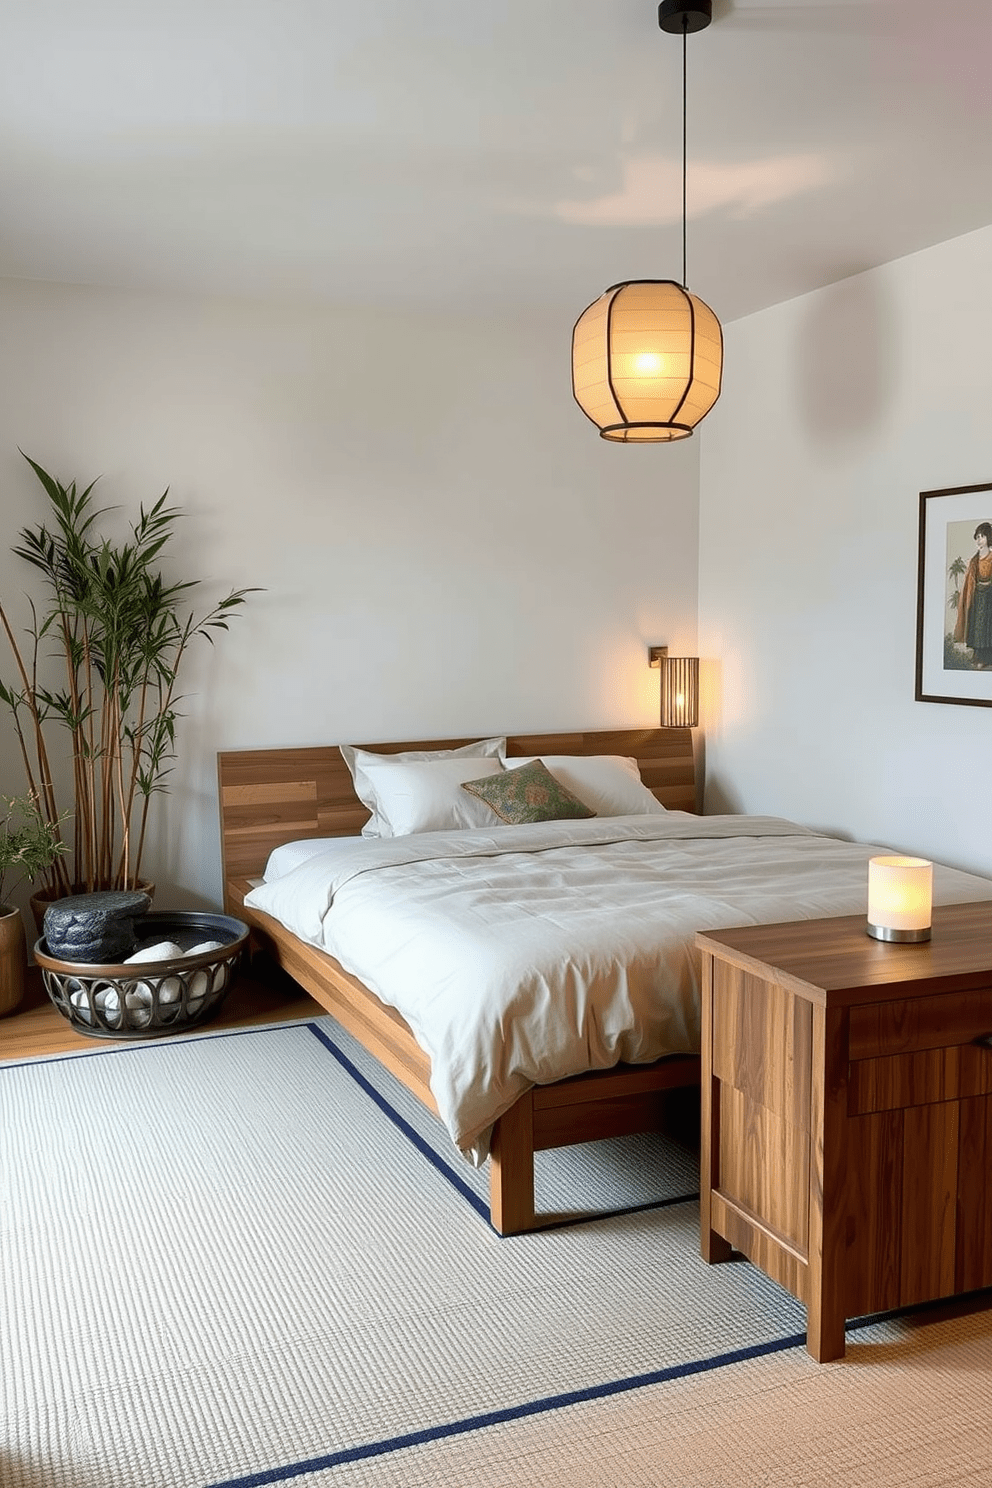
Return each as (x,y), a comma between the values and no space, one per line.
(147,998)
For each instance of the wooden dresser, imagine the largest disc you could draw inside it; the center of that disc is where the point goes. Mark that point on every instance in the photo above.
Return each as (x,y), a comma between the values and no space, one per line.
(846,1139)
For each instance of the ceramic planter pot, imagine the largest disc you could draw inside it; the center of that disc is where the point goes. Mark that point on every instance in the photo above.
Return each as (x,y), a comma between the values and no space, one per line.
(13,959)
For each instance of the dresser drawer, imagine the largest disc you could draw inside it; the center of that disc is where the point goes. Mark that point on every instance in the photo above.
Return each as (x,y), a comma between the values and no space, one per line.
(920,1051)
(906,1026)
(922,1079)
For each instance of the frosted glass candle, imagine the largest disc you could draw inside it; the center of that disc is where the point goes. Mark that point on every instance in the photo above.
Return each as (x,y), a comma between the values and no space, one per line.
(900,898)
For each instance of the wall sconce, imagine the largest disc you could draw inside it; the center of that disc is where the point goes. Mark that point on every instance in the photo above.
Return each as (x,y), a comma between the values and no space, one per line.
(900,898)
(679,687)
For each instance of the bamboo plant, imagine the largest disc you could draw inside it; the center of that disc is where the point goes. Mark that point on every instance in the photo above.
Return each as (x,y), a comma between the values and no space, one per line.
(29,843)
(116,632)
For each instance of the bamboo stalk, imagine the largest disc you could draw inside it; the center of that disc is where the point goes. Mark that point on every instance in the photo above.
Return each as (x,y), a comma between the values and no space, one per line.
(84,742)
(77,773)
(43,788)
(128,807)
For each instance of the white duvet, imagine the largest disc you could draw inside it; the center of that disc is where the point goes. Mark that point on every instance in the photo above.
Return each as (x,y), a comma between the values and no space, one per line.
(522,955)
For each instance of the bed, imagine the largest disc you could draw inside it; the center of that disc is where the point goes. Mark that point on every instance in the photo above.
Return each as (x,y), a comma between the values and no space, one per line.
(569,942)
(272,796)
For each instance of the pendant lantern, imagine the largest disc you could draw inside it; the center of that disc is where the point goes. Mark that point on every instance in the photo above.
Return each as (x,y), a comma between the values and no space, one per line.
(647,356)
(646,361)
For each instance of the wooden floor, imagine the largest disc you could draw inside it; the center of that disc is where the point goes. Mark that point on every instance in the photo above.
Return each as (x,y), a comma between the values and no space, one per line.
(37,1028)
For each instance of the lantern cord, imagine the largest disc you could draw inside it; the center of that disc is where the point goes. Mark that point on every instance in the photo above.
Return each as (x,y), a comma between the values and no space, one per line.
(685,34)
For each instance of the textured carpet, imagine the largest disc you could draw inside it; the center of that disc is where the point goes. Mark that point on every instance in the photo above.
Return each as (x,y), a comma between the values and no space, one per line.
(225,1263)
(570,1183)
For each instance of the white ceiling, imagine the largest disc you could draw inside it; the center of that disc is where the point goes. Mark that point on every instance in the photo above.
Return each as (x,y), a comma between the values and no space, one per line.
(486,154)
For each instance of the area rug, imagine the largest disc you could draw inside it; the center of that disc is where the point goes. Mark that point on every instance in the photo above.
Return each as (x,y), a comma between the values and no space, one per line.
(571,1184)
(225,1262)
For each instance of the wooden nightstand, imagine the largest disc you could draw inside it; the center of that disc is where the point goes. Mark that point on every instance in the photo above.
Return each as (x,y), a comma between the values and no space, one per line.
(846,1141)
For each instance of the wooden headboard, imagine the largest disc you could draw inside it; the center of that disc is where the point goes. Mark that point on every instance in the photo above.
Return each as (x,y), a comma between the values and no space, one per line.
(271,796)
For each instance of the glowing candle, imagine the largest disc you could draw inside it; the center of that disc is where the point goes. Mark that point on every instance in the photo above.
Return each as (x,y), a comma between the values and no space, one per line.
(900,896)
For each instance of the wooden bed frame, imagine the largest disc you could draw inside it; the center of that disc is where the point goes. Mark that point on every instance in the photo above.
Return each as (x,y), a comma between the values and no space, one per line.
(271,796)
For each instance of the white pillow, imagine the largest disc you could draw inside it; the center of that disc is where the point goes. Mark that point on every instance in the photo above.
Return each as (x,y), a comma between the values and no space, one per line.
(426,795)
(356,760)
(609,784)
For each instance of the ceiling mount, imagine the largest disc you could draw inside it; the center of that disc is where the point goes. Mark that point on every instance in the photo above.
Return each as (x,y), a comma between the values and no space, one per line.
(680,16)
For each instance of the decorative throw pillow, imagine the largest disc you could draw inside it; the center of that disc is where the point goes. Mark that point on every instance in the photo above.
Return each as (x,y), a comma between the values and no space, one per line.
(609,784)
(530,794)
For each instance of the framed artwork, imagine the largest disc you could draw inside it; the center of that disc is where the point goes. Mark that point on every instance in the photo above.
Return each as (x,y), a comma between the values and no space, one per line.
(954,597)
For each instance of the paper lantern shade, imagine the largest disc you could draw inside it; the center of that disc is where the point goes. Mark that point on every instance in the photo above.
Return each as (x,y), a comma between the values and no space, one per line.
(647,360)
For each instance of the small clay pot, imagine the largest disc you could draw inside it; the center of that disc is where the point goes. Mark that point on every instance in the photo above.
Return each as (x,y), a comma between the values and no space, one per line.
(13,959)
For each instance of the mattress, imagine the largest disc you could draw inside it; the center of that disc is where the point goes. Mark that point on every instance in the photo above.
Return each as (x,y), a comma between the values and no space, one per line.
(526,954)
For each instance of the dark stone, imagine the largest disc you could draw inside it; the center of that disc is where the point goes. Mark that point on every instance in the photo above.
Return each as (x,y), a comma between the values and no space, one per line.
(94,928)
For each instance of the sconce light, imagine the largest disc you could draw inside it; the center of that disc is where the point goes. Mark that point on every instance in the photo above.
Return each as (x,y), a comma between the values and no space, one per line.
(900,898)
(679,687)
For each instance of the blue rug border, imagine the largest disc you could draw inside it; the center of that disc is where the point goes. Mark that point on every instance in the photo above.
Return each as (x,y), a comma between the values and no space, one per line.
(545,1404)
(412,1136)
(449,1173)
(521,1412)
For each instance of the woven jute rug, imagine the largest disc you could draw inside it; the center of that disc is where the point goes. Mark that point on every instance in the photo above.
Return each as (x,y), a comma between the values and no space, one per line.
(235,1259)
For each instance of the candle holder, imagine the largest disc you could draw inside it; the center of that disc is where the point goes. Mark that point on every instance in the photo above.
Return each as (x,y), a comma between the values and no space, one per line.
(900,898)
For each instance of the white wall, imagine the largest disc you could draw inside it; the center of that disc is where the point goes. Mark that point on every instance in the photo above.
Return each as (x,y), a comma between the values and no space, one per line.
(446,546)
(839,408)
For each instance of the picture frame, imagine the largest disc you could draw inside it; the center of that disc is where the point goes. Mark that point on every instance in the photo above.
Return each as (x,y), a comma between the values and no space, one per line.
(954,606)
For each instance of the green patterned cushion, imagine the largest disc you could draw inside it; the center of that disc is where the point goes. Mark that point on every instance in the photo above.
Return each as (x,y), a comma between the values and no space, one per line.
(528,794)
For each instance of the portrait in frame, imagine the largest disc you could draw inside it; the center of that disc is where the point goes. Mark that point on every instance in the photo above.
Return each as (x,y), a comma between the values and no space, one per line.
(954,597)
